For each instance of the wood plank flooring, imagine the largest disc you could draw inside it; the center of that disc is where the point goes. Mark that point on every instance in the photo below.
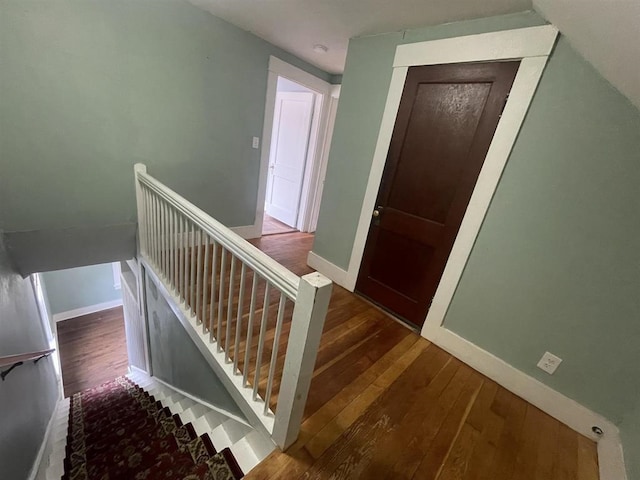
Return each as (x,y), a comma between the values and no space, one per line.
(273,226)
(93,349)
(386,403)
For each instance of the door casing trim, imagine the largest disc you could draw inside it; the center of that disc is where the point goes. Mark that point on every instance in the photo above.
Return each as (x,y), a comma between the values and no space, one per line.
(532,46)
(280,68)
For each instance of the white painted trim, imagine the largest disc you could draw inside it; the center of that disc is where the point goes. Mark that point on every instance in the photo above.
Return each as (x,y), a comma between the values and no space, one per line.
(243,395)
(78,312)
(324,159)
(322,90)
(40,462)
(524,87)
(611,458)
(484,47)
(201,401)
(564,409)
(115,269)
(328,269)
(503,45)
(532,46)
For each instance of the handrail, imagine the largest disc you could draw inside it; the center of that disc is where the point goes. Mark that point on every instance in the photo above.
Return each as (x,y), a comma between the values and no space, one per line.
(17,360)
(259,261)
(222,288)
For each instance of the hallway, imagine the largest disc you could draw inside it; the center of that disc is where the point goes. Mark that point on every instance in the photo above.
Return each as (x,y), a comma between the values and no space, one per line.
(93,349)
(386,403)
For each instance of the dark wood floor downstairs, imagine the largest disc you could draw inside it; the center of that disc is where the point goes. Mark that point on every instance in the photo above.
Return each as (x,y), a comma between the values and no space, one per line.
(386,403)
(93,349)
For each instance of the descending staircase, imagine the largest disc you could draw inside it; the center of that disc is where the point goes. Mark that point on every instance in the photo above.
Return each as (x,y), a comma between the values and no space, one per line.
(249,446)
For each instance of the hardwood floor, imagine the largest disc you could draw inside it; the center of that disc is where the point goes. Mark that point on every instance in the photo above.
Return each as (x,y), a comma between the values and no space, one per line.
(92,349)
(272,226)
(386,403)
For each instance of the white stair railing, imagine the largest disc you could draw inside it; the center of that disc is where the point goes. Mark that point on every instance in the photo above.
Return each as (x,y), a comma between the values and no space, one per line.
(263,323)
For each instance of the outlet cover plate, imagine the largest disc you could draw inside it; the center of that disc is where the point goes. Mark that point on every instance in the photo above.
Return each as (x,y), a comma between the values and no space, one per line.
(549,363)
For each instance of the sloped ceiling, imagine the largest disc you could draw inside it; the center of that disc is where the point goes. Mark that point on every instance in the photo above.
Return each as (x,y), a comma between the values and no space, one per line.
(297,25)
(606,33)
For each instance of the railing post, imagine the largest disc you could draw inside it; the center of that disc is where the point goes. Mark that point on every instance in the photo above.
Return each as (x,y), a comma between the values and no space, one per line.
(307,323)
(142,168)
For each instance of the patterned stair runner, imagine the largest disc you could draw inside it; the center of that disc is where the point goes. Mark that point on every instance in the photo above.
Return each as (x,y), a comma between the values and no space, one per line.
(117,431)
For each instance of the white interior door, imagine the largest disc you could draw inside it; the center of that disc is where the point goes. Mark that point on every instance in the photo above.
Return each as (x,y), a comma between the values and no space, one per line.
(290,140)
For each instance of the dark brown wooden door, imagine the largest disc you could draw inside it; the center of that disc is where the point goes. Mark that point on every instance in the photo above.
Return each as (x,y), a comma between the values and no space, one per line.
(446,120)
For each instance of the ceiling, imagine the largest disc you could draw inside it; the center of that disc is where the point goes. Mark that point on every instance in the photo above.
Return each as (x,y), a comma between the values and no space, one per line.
(297,25)
(606,33)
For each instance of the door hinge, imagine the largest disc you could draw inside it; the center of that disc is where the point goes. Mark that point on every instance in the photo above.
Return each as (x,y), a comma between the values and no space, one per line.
(506,99)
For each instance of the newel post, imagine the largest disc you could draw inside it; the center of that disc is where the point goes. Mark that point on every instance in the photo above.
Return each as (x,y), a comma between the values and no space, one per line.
(140,207)
(140,168)
(307,323)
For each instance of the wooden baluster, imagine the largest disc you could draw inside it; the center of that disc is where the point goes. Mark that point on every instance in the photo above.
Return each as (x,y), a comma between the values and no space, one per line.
(160,237)
(192,283)
(156,229)
(181,257)
(174,249)
(223,266)
(206,292)
(154,226)
(236,348)
(165,218)
(274,351)
(185,263)
(198,292)
(263,330)
(147,215)
(252,312)
(214,274)
(232,281)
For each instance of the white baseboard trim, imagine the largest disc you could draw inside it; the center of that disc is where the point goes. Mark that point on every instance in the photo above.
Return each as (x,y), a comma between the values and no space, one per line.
(248,231)
(328,269)
(78,312)
(38,464)
(562,408)
(133,369)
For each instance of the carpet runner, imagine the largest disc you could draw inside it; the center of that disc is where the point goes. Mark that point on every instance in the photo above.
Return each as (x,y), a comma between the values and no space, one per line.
(117,432)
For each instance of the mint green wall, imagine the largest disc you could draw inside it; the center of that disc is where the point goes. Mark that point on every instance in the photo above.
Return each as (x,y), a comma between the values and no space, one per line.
(90,87)
(362,97)
(175,358)
(28,394)
(80,287)
(630,434)
(555,266)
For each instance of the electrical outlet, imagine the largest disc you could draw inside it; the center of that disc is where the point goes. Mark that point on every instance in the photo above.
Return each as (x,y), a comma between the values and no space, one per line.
(549,362)
(256,142)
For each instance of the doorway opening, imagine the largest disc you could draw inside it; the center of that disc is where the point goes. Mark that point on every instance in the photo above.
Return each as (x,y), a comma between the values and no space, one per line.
(84,308)
(299,116)
(289,155)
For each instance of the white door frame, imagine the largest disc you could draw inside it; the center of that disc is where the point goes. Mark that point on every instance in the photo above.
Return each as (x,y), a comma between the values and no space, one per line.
(326,146)
(312,179)
(532,46)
